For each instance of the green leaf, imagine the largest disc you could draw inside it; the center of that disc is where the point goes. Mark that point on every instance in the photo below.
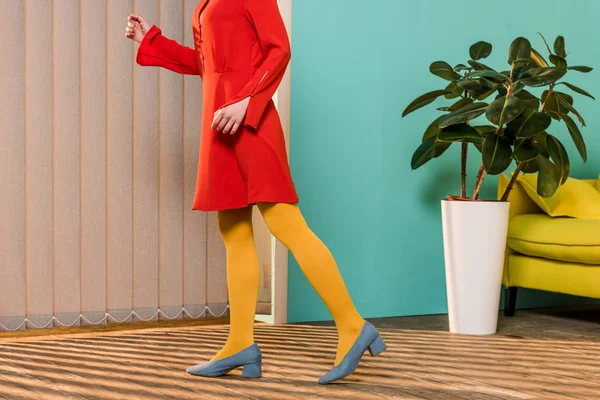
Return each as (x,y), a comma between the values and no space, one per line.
(558,61)
(554,107)
(580,68)
(443,70)
(528,99)
(553,115)
(497,154)
(459,133)
(569,107)
(530,123)
(463,114)
(459,104)
(478,66)
(485,129)
(537,59)
(530,167)
(568,97)
(539,142)
(423,100)
(559,47)
(461,67)
(520,50)
(485,95)
(424,153)
(548,178)
(576,89)
(542,76)
(545,42)
(441,147)
(480,50)
(454,89)
(476,86)
(519,71)
(576,135)
(487,73)
(525,151)
(559,155)
(504,110)
(432,130)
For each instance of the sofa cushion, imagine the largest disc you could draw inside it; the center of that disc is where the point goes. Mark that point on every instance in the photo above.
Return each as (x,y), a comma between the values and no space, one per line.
(575,198)
(562,239)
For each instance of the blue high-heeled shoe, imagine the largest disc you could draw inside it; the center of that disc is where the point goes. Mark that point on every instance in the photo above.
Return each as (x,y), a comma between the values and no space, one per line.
(369,338)
(250,359)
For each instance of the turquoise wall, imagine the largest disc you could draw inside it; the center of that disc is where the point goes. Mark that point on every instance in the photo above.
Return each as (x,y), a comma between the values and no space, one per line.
(355,67)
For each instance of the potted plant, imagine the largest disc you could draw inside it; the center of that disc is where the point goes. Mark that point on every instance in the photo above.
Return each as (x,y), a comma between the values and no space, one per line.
(500,115)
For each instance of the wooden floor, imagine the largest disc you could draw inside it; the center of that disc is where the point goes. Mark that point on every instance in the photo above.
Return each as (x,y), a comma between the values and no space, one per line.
(549,354)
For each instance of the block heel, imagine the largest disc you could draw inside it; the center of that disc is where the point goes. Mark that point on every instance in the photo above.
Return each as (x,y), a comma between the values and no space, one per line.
(377,346)
(252,370)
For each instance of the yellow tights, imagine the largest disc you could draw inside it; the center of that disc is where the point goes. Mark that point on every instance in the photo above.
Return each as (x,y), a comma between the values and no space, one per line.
(286,223)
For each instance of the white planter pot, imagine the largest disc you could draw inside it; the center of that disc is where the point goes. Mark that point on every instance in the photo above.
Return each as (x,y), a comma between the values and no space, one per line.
(474,245)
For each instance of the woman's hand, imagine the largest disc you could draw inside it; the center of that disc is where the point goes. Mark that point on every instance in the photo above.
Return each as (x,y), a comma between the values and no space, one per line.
(229,119)
(137,27)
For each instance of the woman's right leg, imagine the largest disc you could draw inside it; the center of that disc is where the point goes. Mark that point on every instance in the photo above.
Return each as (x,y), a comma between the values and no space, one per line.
(288,225)
(243,274)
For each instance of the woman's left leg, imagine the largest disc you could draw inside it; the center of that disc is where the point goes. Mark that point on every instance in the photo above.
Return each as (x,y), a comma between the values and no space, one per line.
(243,276)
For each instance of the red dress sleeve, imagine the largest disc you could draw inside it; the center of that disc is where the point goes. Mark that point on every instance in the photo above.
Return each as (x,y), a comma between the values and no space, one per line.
(266,19)
(158,50)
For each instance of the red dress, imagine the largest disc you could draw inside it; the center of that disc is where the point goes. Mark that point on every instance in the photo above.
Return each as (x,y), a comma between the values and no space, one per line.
(241,49)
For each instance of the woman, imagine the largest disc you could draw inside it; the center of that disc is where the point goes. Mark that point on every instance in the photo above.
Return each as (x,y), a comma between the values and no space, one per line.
(241,50)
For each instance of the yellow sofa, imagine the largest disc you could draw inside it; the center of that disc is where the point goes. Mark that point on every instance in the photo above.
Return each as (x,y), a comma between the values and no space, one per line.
(553,254)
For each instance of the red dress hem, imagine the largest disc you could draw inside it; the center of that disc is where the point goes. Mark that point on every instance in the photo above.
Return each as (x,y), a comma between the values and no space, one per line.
(250,202)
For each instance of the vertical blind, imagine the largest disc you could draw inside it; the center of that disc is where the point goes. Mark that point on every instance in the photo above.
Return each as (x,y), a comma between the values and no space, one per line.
(98,163)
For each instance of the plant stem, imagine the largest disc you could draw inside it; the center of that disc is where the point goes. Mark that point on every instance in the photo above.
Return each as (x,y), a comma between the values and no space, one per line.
(463,169)
(478,182)
(510,80)
(463,161)
(547,97)
(512,182)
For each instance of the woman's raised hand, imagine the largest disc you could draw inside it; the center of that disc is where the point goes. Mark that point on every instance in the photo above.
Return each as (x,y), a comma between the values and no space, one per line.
(137,27)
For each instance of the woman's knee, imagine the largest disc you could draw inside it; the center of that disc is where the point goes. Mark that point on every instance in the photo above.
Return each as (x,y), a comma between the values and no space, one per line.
(235,222)
(283,219)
